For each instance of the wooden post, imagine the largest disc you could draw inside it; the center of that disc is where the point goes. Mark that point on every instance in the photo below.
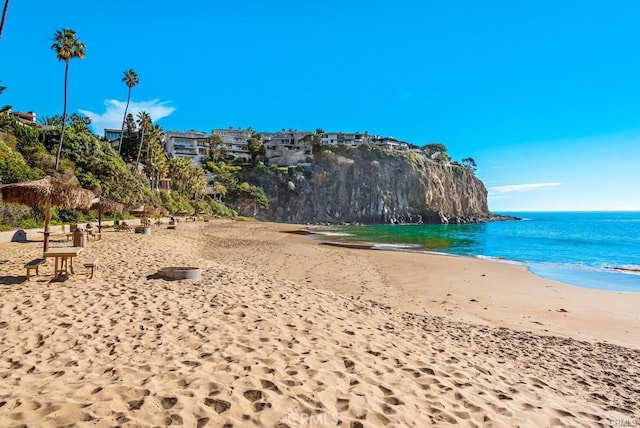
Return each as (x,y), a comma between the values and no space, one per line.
(47,220)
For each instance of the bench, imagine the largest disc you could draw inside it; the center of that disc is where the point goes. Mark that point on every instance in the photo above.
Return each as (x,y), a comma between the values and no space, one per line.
(58,236)
(91,262)
(33,265)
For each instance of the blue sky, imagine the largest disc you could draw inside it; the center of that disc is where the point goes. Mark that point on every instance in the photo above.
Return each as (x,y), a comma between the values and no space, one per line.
(544,95)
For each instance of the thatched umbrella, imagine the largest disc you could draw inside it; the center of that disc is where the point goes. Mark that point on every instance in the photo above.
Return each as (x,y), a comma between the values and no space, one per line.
(47,192)
(102,204)
(143,211)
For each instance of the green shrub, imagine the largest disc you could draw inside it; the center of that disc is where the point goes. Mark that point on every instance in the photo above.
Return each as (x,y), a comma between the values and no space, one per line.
(30,223)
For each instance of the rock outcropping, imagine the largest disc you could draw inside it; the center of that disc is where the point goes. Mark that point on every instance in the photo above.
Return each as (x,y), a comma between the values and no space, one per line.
(365,185)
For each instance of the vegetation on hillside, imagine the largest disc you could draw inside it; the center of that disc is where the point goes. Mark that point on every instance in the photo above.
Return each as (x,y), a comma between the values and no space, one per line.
(174,185)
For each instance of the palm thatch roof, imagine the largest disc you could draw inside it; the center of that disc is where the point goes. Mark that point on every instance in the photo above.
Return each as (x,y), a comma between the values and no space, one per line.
(103,204)
(47,191)
(144,210)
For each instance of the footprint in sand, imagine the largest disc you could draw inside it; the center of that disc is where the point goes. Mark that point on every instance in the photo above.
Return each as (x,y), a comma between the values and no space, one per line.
(136,404)
(394,401)
(342,404)
(385,390)
(252,395)
(267,384)
(168,402)
(260,406)
(220,406)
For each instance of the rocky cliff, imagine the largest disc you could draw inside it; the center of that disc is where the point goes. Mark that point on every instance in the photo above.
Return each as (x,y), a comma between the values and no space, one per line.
(365,185)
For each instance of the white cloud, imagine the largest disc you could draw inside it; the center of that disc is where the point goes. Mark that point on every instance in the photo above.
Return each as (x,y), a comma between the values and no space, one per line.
(520,187)
(114,110)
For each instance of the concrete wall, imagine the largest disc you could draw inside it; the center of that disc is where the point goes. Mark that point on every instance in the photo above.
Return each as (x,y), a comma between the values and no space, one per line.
(23,235)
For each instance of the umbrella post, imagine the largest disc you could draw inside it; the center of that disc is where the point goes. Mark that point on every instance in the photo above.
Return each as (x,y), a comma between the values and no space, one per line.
(99,221)
(47,220)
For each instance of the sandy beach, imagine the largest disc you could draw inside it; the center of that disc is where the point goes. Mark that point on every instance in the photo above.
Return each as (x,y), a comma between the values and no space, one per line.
(283,331)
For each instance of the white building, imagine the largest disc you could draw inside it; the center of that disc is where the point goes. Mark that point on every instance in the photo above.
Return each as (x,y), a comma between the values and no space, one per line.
(344,138)
(192,145)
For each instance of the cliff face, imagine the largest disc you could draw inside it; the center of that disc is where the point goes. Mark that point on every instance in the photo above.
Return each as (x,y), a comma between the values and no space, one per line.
(371,186)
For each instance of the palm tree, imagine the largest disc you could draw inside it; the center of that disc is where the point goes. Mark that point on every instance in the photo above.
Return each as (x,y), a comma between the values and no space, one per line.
(130,79)
(49,120)
(66,46)
(4,16)
(180,172)
(144,123)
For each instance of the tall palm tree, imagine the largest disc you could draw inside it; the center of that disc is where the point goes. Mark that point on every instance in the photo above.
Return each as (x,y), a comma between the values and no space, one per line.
(155,135)
(130,79)
(66,46)
(4,16)
(158,165)
(144,123)
(156,162)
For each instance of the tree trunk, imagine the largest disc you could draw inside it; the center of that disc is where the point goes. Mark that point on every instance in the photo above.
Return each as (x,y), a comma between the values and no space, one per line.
(139,150)
(64,113)
(124,118)
(4,16)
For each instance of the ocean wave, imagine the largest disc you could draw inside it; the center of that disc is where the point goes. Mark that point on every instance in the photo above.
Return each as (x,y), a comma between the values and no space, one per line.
(326,233)
(395,246)
(498,259)
(626,269)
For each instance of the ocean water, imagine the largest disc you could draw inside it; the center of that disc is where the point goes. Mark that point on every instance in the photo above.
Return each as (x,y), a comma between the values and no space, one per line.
(585,249)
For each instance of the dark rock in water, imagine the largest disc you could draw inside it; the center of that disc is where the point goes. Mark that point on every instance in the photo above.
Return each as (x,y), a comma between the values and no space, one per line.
(504,218)
(369,186)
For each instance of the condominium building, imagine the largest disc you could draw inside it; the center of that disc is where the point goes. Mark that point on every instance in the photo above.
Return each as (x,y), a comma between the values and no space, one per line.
(344,138)
(235,142)
(287,148)
(192,145)
(388,143)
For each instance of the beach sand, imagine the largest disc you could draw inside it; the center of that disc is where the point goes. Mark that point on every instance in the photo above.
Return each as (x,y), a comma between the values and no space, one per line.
(282,331)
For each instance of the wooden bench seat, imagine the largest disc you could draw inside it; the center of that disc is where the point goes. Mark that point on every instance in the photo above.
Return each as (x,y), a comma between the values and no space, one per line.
(33,265)
(91,262)
(58,236)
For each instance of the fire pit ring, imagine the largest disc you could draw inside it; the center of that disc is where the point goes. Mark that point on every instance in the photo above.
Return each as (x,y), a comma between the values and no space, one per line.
(182,272)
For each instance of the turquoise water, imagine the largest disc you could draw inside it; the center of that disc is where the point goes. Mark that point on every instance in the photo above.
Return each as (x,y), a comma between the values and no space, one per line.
(585,249)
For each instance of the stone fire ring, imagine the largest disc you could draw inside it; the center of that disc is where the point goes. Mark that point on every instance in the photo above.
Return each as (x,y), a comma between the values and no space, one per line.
(180,272)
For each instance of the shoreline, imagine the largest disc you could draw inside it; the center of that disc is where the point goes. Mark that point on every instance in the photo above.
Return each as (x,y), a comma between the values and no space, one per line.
(280,329)
(477,290)
(607,278)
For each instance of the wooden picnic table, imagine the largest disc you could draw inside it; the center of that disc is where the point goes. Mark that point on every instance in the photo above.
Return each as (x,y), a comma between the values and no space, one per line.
(65,255)
(123,227)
